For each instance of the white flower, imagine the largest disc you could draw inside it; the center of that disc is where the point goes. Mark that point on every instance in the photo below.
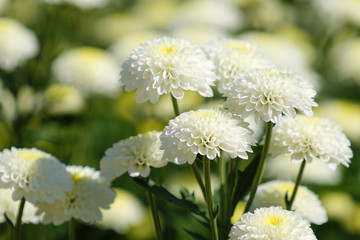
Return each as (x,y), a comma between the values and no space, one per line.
(89,193)
(60,99)
(205,132)
(125,212)
(307,138)
(81,4)
(134,155)
(269,93)
(33,174)
(10,207)
(89,69)
(271,223)
(281,167)
(232,57)
(17,44)
(307,204)
(167,65)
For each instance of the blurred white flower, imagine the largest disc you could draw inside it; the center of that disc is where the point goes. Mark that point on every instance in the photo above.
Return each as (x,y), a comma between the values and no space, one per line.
(294,53)
(205,132)
(34,175)
(232,57)
(10,207)
(269,93)
(345,61)
(28,101)
(220,14)
(81,4)
(271,223)
(62,99)
(17,44)
(8,104)
(306,138)
(307,204)
(281,167)
(134,155)
(125,212)
(344,112)
(91,70)
(167,65)
(122,47)
(89,193)
(198,34)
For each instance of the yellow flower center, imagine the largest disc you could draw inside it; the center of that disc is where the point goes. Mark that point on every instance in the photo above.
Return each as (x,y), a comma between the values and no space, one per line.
(239,46)
(166,50)
(91,53)
(75,177)
(205,114)
(274,220)
(311,120)
(30,155)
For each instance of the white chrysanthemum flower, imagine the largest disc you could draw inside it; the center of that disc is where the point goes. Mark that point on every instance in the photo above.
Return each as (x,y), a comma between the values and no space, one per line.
(307,204)
(271,223)
(269,93)
(317,172)
(89,193)
(134,155)
(34,175)
(10,207)
(306,138)
(17,44)
(232,57)
(125,212)
(205,132)
(167,65)
(62,99)
(89,69)
(81,4)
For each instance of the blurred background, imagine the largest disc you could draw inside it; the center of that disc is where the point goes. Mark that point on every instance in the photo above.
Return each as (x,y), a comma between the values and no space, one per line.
(60,63)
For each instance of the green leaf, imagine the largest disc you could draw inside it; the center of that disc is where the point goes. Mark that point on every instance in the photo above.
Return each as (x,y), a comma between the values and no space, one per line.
(7,219)
(166,195)
(216,208)
(195,235)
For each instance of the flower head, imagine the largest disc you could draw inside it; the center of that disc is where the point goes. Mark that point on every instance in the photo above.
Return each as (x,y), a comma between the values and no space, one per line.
(81,4)
(134,155)
(306,138)
(167,65)
(205,132)
(306,204)
(89,193)
(232,57)
(17,44)
(271,223)
(269,93)
(34,175)
(89,69)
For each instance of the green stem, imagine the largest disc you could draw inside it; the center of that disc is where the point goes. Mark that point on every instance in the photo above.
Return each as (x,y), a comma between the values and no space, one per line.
(71,231)
(175,105)
(198,178)
(223,190)
(264,152)
(297,184)
(17,229)
(212,218)
(155,215)
(229,195)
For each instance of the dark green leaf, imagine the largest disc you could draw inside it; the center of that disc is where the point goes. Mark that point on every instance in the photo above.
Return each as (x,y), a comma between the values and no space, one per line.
(195,235)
